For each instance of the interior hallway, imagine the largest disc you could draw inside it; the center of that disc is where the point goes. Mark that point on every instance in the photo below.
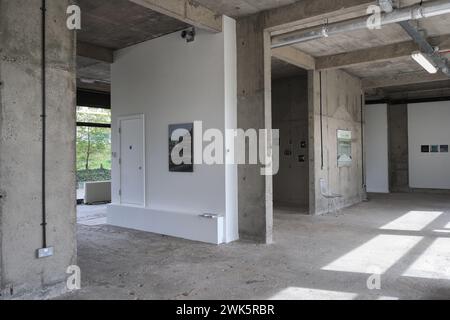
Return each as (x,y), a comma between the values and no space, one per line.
(322,257)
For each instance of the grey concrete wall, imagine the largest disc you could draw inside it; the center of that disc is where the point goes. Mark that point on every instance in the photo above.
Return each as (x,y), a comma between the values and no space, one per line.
(255,194)
(20,147)
(341,101)
(290,116)
(398,148)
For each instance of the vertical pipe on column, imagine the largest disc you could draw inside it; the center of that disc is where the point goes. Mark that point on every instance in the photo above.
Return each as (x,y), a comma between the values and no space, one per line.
(43,117)
(321,120)
(362,142)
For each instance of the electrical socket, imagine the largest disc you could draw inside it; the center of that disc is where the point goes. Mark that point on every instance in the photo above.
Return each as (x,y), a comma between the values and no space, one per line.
(44,252)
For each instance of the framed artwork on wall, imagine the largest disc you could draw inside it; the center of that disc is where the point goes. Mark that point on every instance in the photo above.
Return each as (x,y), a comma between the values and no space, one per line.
(425,149)
(181,147)
(444,148)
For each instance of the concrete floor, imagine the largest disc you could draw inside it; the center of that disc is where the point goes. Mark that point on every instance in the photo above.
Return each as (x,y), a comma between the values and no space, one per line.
(406,237)
(91,215)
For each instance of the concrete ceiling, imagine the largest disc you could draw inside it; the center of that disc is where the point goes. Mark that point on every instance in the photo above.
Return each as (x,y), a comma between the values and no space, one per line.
(374,39)
(349,42)
(352,41)
(362,39)
(239,8)
(281,69)
(385,68)
(116,24)
(92,69)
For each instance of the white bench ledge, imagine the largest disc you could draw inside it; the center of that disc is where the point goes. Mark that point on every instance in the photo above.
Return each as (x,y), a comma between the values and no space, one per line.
(190,226)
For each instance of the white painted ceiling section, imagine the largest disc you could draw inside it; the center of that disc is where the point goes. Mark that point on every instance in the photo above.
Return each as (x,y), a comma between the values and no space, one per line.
(376,147)
(170,81)
(428,124)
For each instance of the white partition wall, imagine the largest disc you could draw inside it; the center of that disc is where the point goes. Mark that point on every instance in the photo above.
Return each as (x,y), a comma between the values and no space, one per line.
(376,146)
(429,133)
(171,82)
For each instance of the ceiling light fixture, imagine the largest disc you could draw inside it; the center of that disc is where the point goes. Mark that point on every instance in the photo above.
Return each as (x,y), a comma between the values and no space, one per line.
(88,81)
(425,62)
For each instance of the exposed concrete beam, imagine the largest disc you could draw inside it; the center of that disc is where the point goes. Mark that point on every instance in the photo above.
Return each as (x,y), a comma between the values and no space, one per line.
(310,10)
(443,42)
(382,53)
(295,57)
(366,56)
(435,89)
(95,52)
(403,79)
(420,94)
(187,11)
(96,86)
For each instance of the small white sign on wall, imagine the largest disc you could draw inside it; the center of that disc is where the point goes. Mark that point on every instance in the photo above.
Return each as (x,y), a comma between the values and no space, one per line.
(344,158)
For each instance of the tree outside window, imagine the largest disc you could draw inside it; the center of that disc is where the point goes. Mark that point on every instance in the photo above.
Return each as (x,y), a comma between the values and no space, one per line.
(93,145)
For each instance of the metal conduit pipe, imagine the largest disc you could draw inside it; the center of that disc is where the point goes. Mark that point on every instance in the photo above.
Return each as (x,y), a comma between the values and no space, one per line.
(438,60)
(44,120)
(415,12)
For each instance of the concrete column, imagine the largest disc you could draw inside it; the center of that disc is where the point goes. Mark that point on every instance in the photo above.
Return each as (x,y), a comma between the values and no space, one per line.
(255,190)
(335,104)
(398,148)
(21,148)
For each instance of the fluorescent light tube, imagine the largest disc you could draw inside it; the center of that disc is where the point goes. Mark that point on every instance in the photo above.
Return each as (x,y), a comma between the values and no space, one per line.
(89,81)
(424,61)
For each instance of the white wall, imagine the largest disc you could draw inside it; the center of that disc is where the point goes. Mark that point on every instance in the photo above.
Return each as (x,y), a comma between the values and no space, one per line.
(429,124)
(231,174)
(170,82)
(376,148)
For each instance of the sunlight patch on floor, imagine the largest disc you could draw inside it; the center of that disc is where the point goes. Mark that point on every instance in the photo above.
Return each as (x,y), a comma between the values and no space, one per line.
(381,253)
(388,298)
(296,293)
(442,231)
(434,263)
(413,221)
(446,229)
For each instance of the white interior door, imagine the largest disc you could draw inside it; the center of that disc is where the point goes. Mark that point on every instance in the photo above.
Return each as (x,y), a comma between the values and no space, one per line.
(132,161)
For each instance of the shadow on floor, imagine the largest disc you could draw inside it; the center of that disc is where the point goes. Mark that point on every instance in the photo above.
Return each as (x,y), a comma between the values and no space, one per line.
(401,238)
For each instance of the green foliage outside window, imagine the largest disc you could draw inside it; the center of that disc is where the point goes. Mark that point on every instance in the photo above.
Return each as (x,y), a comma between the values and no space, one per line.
(93,145)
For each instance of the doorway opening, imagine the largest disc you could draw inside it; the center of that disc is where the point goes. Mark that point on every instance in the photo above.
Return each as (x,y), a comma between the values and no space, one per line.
(93,164)
(93,148)
(290,107)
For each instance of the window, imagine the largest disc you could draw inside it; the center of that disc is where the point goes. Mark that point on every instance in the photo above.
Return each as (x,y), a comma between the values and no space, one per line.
(93,146)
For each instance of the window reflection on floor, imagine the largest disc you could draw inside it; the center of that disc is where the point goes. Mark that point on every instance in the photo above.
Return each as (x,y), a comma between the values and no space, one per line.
(434,263)
(413,221)
(382,252)
(295,293)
